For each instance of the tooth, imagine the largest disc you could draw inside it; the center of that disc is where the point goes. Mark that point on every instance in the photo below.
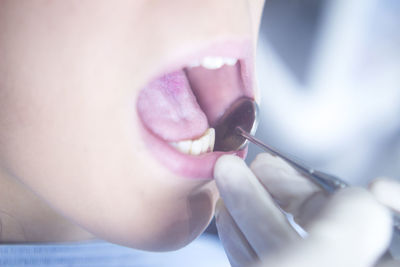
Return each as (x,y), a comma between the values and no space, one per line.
(183,146)
(212,139)
(212,63)
(196,147)
(203,144)
(230,61)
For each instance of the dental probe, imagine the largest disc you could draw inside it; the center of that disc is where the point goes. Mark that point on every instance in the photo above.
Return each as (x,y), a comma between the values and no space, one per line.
(237,126)
(328,182)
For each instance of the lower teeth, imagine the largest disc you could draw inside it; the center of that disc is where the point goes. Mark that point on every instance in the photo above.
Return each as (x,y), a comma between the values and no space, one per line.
(201,145)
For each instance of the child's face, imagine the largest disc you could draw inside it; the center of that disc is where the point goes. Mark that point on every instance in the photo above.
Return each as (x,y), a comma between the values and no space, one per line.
(71,128)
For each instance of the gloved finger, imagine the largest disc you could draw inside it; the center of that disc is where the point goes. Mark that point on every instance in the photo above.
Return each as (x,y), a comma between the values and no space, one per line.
(387,191)
(237,248)
(356,225)
(353,230)
(295,193)
(251,207)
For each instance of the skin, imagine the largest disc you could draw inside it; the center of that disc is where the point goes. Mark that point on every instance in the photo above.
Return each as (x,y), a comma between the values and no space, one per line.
(73,164)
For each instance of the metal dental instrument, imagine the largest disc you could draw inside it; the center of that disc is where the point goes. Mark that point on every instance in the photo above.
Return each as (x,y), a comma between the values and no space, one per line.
(237,126)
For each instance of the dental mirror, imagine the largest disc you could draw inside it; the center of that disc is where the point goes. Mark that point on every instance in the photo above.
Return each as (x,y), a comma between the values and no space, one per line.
(242,113)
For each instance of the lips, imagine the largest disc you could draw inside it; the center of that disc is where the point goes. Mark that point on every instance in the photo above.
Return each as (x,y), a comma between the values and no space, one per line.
(181,105)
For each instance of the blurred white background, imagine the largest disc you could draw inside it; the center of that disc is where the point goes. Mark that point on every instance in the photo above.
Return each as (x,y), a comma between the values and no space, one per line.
(329,76)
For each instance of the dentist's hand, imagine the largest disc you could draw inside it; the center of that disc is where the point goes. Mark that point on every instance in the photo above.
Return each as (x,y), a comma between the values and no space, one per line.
(349,228)
(387,192)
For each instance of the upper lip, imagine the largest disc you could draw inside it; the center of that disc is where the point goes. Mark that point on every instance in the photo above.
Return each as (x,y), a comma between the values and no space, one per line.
(202,166)
(239,48)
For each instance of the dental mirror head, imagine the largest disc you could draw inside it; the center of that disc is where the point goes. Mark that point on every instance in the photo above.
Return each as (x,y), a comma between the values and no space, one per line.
(242,113)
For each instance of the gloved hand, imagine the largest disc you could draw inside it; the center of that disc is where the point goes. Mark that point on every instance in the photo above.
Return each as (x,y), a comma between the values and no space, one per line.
(349,228)
(388,193)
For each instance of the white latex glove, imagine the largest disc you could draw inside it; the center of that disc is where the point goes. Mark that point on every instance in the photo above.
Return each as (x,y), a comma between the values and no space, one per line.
(388,193)
(348,229)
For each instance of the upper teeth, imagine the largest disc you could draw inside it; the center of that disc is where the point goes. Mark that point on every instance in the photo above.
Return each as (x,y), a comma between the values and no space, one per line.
(213,63)
(203,144)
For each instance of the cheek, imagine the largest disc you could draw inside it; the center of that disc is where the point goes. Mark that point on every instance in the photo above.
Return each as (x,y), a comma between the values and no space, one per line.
(85,159)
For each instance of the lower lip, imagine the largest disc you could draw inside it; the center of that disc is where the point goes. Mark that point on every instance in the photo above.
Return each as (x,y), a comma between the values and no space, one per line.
(187,166)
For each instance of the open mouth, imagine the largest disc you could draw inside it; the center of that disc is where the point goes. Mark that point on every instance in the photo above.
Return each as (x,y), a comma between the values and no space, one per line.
(180,108)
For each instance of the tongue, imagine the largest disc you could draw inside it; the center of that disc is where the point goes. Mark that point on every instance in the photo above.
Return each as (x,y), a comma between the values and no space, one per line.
(169,109)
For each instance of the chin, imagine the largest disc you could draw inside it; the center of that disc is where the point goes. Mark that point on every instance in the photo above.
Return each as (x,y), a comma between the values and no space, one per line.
(180,230)
(170,216)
